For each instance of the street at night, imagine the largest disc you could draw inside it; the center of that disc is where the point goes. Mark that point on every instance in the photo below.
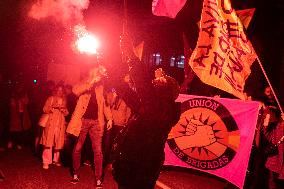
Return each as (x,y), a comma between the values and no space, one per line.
(22,170)
(141,94)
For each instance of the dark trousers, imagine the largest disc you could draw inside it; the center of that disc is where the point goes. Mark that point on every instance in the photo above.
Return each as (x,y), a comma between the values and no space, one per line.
(109,137)
(16,137)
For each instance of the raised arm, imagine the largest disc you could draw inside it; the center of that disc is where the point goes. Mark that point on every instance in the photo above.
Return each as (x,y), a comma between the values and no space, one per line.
(95,76)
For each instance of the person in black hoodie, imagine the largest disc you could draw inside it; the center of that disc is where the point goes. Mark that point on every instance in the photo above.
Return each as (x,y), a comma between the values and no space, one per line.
(139,148)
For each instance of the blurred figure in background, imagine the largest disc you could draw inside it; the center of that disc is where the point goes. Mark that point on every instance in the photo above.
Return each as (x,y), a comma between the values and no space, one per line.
(271,106)
(127,79)
(45,91)
(275,163)
(71,100)
(19,117)
(2,112)
(53,134)
(120,116)
(3,97)
(269,131)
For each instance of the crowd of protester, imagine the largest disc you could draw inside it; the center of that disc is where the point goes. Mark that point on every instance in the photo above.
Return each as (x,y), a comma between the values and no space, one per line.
(23,121)
(59,122)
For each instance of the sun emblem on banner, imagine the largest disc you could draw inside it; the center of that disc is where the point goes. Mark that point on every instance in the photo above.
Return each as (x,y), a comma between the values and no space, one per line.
(206,136)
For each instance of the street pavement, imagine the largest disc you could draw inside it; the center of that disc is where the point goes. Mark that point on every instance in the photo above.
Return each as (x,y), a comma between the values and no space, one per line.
(22,170)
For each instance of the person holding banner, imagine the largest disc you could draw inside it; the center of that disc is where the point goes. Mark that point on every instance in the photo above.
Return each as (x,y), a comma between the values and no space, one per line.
(139,149)
(267,134)
(275,163)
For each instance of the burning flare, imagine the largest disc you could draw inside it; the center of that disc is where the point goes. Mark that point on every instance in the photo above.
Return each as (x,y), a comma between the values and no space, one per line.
(86,42)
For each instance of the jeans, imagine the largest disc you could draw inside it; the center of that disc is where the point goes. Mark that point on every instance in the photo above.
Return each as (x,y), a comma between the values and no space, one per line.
(92,128)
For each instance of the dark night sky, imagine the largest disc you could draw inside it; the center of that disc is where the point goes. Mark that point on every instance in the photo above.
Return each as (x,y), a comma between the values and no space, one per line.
(28,45)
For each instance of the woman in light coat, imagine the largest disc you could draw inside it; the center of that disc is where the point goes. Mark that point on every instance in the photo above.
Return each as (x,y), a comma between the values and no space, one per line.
(54,132)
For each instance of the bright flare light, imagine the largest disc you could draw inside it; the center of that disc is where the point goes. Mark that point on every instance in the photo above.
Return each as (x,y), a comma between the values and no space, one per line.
(86,43)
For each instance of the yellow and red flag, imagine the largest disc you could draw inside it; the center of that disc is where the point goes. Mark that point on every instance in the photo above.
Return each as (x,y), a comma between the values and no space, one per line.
(246,16)
(223,54)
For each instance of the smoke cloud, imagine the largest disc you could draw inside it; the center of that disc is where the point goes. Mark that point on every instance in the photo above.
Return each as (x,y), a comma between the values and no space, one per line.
(68,12)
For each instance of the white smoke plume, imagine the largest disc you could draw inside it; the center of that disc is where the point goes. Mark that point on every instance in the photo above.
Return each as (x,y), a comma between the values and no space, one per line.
(68,12)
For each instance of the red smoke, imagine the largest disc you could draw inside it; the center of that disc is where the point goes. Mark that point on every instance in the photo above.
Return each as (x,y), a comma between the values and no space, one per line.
(68,12)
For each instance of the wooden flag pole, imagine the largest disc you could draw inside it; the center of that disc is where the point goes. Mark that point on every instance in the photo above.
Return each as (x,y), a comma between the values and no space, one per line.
(269,83)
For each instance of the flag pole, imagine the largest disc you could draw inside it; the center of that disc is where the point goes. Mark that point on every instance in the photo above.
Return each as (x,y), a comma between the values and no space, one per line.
(124,27)
(125,15)
(269,83)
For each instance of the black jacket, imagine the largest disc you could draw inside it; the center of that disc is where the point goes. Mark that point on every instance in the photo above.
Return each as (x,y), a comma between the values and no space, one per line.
(140,148)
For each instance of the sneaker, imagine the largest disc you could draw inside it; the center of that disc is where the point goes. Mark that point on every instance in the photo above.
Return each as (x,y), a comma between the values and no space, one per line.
(75,179)
(58,164)
(99,184)
(19,147)
(45,166)
(87,162)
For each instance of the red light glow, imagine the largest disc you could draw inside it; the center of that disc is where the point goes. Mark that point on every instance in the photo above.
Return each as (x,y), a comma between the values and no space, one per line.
(86,42)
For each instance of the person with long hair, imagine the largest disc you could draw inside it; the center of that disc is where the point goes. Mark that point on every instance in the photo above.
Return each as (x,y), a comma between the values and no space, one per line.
(88,118)
(53,134)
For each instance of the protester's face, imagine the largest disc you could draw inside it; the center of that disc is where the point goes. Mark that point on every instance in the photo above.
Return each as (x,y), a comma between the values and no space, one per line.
(59,91)
(268,92)
(68,90)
